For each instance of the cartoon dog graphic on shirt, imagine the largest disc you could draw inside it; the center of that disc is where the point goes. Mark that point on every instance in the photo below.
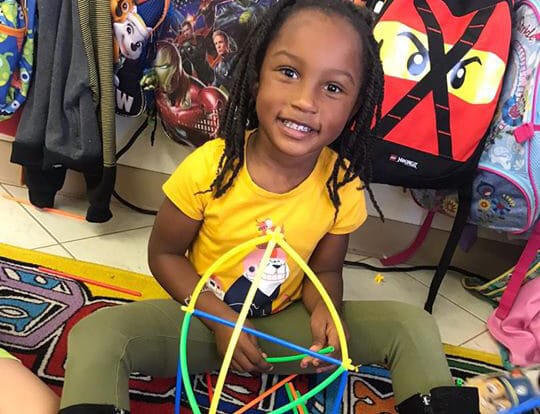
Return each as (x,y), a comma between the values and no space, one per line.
(274,275)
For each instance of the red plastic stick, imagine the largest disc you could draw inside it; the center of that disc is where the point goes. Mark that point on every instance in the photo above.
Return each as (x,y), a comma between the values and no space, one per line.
(92,282)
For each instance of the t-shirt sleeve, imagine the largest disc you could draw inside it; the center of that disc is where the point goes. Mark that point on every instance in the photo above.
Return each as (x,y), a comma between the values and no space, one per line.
(188,186)
(352,211)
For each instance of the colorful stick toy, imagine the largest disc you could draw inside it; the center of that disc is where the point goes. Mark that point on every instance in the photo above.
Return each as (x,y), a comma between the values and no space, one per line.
(297,401)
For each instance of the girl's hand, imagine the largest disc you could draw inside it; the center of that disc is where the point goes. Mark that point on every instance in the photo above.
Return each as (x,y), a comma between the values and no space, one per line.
(248,356)
(324,334)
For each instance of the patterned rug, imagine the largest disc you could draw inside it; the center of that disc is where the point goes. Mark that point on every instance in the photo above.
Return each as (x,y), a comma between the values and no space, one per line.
(39,304)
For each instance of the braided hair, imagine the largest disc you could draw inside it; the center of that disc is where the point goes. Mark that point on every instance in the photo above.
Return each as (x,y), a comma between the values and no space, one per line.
(352,145)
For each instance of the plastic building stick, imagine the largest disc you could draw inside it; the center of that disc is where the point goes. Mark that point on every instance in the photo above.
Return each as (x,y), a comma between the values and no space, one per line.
(227,359)
(298,357)
(266,394)
(291,397)
(339,396)
(270,338)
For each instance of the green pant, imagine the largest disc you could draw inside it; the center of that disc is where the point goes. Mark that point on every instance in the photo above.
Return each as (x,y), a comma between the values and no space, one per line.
(143,336)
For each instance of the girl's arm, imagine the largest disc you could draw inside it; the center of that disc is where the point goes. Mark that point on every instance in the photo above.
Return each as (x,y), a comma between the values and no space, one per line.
(327,263)
(172,234)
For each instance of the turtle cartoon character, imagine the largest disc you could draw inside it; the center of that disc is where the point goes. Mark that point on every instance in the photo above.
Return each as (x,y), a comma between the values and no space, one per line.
(10,11)
(28,49)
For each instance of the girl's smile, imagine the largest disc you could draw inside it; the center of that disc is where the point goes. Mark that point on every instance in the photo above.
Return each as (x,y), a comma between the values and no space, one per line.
(296,129)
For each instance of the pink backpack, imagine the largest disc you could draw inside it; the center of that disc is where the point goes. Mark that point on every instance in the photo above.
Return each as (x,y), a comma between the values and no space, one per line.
(519,332)
(516,322)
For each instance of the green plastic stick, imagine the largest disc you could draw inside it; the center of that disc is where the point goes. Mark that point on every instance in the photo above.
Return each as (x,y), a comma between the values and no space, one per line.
(183,360)
(299,396)
(298,357)
(291,398)
(311,393)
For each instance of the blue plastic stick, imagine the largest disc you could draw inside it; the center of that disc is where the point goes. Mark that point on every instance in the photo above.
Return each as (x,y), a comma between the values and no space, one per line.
(524,407)
(267,337)
(341,391)
(178,394)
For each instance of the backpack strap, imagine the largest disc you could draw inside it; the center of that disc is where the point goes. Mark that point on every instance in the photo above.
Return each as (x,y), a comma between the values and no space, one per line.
(525,132)
(435,80)
(519,273)
(406,254)
(464,206)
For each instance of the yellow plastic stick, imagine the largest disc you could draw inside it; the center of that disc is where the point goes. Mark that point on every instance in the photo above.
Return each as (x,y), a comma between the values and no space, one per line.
(276,236)
(210,271)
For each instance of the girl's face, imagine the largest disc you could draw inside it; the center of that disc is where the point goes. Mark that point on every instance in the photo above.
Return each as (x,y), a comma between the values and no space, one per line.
(309,83)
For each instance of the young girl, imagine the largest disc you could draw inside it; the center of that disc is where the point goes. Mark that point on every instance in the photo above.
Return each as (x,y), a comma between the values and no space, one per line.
(308,77)
(17,383)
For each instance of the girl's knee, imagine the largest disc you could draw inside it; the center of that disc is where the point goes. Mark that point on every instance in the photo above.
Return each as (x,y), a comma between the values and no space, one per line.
(415,319)
(395,317)
(83,330)
(94,332)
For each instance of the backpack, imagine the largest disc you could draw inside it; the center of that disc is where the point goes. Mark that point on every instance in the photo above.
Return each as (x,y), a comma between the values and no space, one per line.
(495,288)
(506,188)
(17,31)
(135,24)
(198,46)
(444,63)
(520,331)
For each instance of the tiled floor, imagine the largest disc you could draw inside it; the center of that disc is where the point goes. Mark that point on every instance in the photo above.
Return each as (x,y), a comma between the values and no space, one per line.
(122,243)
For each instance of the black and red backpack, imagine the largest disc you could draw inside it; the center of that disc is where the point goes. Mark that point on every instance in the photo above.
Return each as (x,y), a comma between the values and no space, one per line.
(444,62)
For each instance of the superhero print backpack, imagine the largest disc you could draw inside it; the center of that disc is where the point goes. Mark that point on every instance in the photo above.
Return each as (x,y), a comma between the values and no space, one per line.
(194,56)
(444,62)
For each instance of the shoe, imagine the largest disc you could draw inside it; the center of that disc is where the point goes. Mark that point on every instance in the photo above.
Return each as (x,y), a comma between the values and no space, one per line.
(92,409)
(442,400)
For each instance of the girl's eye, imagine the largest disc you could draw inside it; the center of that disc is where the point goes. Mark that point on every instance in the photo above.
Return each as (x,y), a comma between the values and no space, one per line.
(290,73)
(333,88)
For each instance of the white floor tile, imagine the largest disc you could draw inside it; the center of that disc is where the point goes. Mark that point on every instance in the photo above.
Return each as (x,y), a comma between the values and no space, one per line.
(67,229)
(19,228)
(353,257)
(484,342)
(125,250)
(360,285)
(452,289)
(56,250)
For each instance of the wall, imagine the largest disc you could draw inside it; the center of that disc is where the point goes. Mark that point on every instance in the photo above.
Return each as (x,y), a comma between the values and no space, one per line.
(165,155)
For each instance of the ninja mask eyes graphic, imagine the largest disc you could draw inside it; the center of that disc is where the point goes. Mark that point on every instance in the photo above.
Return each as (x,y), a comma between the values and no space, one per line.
(472,83)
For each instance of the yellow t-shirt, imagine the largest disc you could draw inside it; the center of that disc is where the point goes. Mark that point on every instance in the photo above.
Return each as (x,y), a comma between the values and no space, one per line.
(305,214)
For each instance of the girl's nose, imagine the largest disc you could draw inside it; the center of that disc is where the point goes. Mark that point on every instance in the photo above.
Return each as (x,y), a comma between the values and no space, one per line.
(305,99)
